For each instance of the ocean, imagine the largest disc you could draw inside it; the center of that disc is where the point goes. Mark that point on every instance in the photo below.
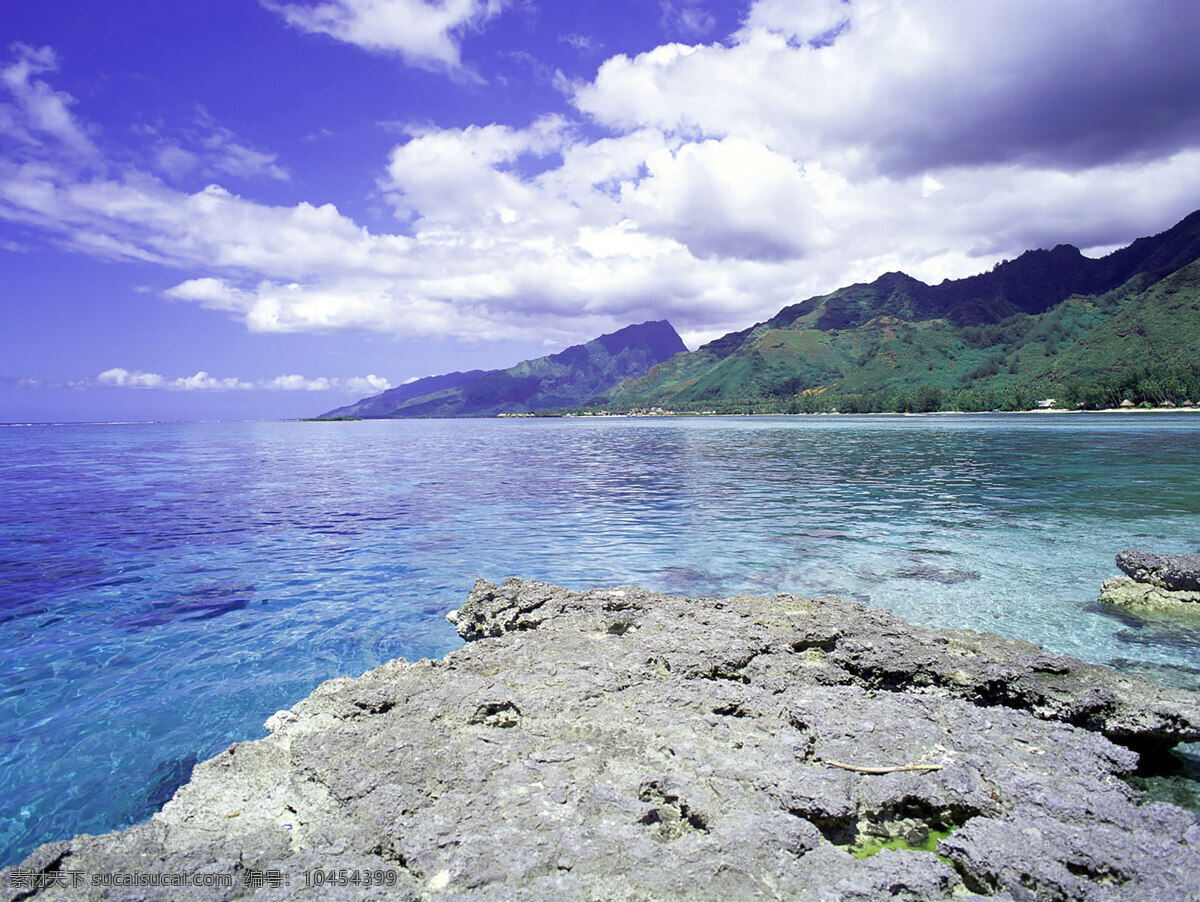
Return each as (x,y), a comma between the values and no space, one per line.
(166,587)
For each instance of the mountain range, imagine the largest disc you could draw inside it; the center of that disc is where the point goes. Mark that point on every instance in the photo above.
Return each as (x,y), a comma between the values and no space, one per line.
(1087,332)
(578,375)
(1050,324)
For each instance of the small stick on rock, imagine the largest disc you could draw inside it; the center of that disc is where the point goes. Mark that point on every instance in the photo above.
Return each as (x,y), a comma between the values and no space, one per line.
(883,770)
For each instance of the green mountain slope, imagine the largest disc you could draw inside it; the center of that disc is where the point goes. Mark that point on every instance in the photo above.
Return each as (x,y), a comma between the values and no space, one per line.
(1049,324)
(1159,326)
(575,376)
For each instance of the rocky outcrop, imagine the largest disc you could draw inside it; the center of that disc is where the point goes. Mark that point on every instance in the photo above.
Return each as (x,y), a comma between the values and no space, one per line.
(1174,572)
(1155,582)
(620,744)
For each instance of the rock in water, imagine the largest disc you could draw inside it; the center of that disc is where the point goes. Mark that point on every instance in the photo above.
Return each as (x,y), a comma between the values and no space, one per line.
(1177,572)
(620,744)
(1155,582)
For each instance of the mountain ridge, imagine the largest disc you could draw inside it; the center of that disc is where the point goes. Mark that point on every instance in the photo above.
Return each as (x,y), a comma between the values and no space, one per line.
(1050,323)
(995,334)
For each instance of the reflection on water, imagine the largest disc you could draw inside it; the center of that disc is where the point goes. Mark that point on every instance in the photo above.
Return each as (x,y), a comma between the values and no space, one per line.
(164,588)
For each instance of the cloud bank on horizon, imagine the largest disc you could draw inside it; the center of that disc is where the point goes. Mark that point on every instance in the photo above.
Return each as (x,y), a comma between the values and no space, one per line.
(708,180)
(119,377)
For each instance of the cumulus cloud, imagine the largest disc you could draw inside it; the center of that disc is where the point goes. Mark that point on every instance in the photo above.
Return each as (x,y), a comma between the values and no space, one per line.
(467,175)
(298,383)
(823,143)
(366,384)
(815,22)
(426,34)
(119,377)
(731,199)
(901,87)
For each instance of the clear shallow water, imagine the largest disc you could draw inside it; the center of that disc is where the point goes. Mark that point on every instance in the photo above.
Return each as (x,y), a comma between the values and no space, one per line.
(164,588)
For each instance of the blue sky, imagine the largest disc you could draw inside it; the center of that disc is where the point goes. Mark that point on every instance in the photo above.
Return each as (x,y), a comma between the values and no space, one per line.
(268,209)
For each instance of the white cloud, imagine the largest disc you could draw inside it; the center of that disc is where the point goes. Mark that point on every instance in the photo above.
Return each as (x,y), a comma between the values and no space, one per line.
(582,42)
(366,384)
(202,381)
(40,112)
(686,17)
(425,33)
(209,149)
(728,199)
(123,378)
(814,21)
(42,132)
(460,176)
(298,383)
(826,143)
(119,377)
(898,87)
(175,161)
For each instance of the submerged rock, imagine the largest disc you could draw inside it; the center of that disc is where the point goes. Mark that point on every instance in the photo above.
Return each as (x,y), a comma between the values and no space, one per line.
(1155,582)
(621,744)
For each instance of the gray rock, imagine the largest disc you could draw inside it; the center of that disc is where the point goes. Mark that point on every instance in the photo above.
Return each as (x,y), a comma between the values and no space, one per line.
(620,744)
(1155,582)
(1175,572)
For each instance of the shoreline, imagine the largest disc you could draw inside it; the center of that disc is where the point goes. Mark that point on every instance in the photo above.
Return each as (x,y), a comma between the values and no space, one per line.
(836,413)
(1128,410)
(623,744)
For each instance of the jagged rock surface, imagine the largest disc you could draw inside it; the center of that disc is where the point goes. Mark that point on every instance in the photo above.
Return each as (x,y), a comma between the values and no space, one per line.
(1177,572)
(1155,582)
(620,744)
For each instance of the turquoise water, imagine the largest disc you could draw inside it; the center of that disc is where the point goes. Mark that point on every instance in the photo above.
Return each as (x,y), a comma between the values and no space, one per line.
(164,588)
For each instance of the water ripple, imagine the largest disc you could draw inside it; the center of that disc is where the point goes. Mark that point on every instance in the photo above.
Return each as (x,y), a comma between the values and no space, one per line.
(164,588)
